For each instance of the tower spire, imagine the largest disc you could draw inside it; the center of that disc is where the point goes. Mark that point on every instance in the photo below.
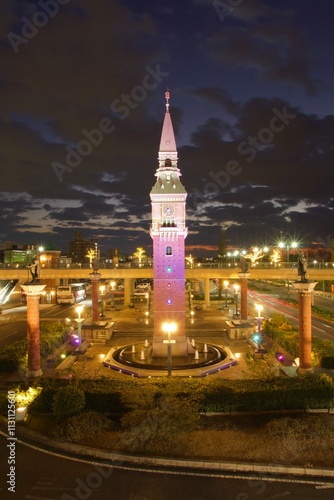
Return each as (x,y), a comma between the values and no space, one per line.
(167,96)
(167,147)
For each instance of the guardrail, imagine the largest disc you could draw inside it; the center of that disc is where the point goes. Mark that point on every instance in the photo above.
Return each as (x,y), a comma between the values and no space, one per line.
(211,265)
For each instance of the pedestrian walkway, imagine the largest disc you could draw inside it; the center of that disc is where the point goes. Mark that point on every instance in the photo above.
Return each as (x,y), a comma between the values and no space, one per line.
(133,325)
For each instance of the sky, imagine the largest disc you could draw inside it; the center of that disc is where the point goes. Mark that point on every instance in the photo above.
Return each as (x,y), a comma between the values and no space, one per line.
(82,103)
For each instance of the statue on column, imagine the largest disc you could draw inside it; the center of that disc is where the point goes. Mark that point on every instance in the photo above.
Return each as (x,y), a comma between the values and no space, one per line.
(302,268)
(244,265)
(34,270)
(95,266)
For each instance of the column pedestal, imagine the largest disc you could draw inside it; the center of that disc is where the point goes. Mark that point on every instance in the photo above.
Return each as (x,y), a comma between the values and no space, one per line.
(243,295)
(33,292)
(95,279)
(305,325)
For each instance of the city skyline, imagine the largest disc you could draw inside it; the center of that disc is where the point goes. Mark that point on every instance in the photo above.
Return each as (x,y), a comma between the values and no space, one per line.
(82,106)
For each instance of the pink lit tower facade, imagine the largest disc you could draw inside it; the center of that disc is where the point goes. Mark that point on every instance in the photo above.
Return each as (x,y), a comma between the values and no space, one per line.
(168,231)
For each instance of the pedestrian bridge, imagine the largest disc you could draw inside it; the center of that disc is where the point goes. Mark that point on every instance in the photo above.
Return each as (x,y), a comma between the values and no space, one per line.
(264,271)
(283,271)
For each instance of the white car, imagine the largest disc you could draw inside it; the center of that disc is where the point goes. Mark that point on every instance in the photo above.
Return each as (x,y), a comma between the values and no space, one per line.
(140,293)
(143,286)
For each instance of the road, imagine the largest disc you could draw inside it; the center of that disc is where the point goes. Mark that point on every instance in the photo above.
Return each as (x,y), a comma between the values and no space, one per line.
(13,326)
(13,322)
(321,328)
(46,475)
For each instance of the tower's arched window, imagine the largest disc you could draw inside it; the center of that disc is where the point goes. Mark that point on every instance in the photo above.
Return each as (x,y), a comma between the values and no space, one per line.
(169,251)
(168,162)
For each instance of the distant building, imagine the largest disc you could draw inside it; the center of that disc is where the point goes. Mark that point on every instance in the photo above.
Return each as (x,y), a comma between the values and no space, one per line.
(79,248)
(113,256)
(14,256)
(50,258)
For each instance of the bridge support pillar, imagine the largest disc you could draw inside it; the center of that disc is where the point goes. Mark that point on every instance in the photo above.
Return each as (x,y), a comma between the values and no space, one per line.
(243,295)
(33,292)
(128,289)
(207,291)
(95,279)
(305,291)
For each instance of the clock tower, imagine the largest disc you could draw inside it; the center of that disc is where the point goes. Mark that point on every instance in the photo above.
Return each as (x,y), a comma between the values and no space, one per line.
(168,231)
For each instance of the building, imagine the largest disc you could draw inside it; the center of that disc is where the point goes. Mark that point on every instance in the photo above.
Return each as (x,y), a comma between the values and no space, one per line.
(79,248)
(168,231)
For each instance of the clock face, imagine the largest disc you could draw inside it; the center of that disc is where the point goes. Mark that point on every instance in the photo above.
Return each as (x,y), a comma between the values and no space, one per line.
(168,210)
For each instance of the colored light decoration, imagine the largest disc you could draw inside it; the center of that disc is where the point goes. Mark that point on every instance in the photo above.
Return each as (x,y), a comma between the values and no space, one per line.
(259,318)
(169,269)
(169,301)
(79,320)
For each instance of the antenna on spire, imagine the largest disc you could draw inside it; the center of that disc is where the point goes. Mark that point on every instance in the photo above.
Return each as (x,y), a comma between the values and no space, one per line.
(167,96)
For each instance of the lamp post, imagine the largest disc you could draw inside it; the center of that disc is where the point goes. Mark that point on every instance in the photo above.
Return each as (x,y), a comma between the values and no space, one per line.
(259,324)
(113,285)
(226,287)
(79,320)
(169,327)
(236,290)
(147,297)
(102,288)
(288,245)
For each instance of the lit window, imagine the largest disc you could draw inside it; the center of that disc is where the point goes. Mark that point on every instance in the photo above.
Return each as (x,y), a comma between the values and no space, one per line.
(169,251)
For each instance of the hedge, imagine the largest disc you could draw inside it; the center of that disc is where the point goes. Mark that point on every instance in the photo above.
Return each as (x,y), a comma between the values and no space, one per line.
(286,335)
(111,395)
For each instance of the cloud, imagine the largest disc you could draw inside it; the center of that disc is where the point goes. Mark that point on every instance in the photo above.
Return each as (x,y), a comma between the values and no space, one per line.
(265,40)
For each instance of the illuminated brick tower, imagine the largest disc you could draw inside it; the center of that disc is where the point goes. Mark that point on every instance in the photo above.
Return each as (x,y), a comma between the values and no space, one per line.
(168,231)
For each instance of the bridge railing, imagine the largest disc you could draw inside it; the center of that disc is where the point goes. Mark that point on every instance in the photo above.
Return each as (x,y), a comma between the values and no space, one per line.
(209,265)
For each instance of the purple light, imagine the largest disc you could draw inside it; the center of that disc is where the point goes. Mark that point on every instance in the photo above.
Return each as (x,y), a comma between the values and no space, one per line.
(169,301)
(280,357)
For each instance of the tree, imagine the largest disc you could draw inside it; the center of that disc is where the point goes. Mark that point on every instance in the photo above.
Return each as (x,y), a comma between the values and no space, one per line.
(255,255)
(91,255)
(275,256)
(190,261)
(139,254)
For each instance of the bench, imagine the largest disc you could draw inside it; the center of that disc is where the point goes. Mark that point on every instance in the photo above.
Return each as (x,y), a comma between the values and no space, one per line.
(67,363)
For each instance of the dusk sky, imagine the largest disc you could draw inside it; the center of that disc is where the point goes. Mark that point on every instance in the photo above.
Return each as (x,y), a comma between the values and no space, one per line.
(82,87)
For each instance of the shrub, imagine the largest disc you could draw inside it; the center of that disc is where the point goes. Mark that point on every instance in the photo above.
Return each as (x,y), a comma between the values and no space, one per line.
(156,426)
(51,337)
(84,426)
(68,401)
(13,355)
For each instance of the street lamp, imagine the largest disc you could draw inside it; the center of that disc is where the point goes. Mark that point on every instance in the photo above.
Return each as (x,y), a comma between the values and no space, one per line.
(236,289)
(79,320)
(259,318)
(288,245)
(169,327)
(113,285)
(226,287)
(102,288)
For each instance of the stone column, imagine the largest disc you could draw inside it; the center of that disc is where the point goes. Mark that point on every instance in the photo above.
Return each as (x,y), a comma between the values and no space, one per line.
(33,293)
(95,279)
(207,291)
(305,291)
(128,290)
(243,295)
